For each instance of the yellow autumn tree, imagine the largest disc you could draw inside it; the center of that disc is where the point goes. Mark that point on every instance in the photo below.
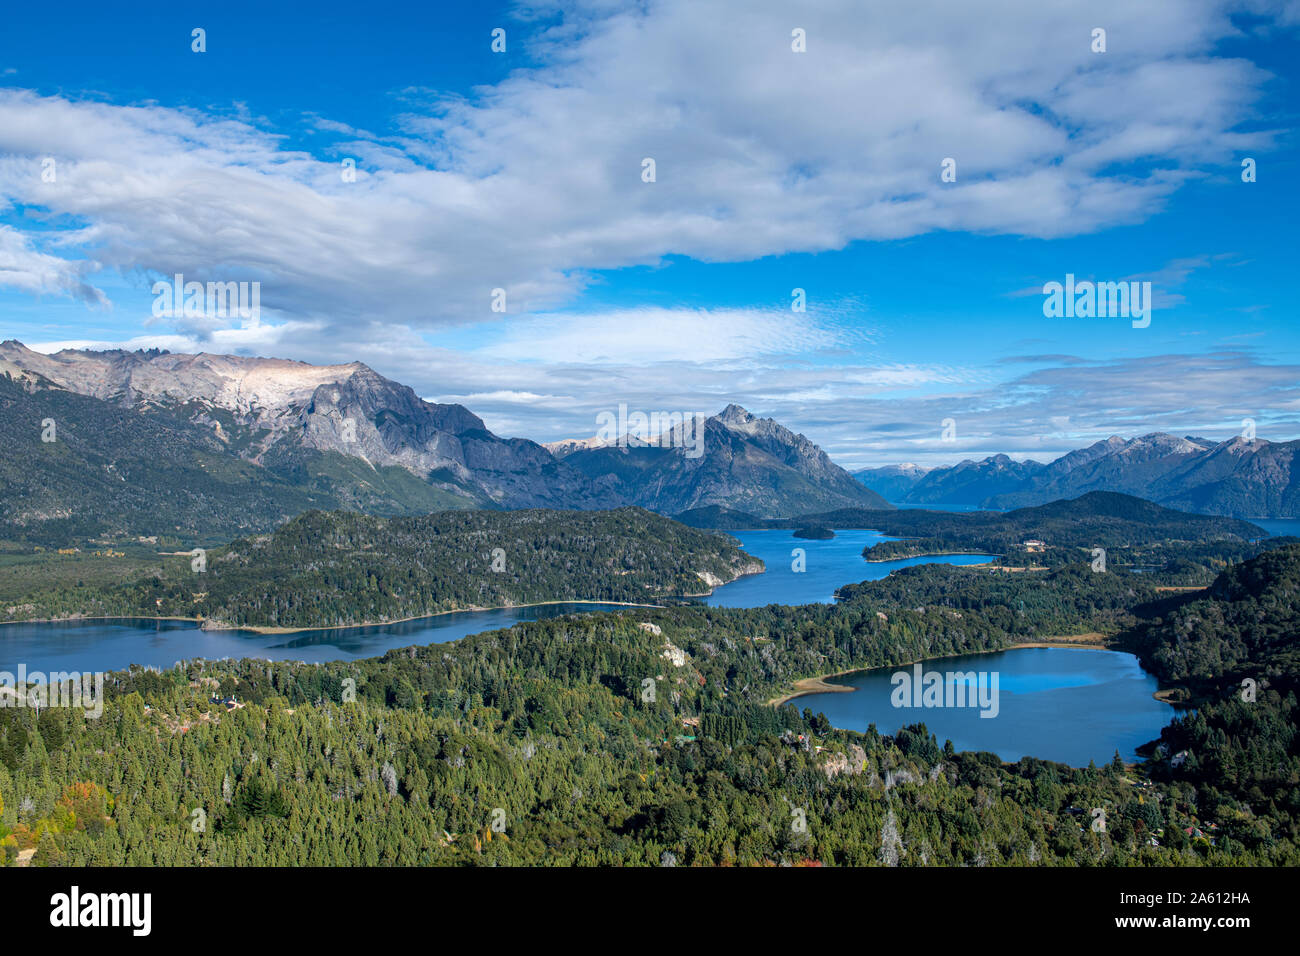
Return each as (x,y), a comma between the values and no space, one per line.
(83,804)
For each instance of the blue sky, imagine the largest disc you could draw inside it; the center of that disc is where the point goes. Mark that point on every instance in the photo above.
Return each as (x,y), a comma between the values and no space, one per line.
(775,170)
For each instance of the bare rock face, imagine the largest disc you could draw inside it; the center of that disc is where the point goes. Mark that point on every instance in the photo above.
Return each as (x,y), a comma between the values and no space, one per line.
(744,462)
(852,763)
(266,410)
(349,409)
(674,655)
(250,387)
(568,446)
(370,417)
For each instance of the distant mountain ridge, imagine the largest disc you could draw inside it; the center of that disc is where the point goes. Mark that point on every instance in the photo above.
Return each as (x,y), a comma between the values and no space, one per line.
(283,436)
(269,411)
(891,482)
(1237,478)
(969,482)
(749,464)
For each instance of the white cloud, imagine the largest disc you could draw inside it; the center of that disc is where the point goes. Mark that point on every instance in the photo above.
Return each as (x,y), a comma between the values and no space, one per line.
(254,340)
(536,181)
(506,395)
(25,268)
(649,335)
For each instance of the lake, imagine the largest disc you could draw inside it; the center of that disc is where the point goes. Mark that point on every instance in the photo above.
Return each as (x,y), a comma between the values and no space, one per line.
(1278,527)
(90,646)
(1071,705)
(102,645)
(828,565)
(937,506)
(1061,704)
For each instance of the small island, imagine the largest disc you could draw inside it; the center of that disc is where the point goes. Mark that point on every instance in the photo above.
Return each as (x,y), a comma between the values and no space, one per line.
(815,534)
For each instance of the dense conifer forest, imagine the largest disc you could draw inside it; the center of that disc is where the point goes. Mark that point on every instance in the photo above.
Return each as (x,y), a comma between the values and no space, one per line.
(1095,520)
(645,737)
(326,569)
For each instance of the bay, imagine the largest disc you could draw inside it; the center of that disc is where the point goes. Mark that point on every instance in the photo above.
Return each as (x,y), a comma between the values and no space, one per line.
(1071,705)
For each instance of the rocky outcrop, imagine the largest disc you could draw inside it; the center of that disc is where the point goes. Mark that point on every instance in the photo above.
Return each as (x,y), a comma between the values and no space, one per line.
(745,463)
(269,411)
(852,763)
(272,407)
(674,655)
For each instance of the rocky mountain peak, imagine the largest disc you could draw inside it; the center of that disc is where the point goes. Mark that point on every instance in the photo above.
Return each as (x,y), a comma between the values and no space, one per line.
(735,414)
(289,414)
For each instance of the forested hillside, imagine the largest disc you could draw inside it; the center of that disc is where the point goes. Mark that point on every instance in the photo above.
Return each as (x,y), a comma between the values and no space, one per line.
(74,468)
(641,737)
(326,569)
(1072,599)
(1235,648)
(1096,520)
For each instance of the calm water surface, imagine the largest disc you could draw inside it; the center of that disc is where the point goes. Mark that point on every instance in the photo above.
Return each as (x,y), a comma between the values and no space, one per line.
(828,565)
(1071,705)
(1278,527)
(1068,704)
(113,645)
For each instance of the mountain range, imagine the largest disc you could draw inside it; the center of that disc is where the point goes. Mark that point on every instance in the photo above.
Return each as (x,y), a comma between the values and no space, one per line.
(213,445)
(749,464)
(1238,478)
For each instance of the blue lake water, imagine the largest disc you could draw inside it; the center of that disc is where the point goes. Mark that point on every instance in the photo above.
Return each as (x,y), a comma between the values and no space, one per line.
(943,507)
(1071,705)
(828,565)
(90,646)
(1278,527)
(1068,705)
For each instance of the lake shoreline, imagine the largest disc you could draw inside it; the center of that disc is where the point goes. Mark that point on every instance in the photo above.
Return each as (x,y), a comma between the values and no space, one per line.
(939,554)
(424,617)
(259,629)
(76,618)
(819,685)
